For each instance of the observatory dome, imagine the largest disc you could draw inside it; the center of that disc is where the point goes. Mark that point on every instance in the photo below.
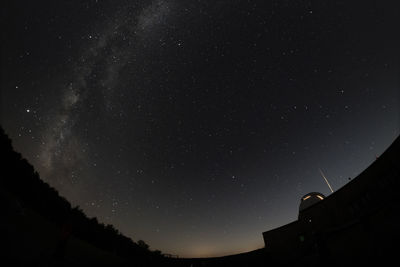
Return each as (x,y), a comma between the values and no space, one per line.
(310,199)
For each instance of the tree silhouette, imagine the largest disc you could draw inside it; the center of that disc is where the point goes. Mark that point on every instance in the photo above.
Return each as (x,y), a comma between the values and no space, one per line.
(142,244)
(20,179)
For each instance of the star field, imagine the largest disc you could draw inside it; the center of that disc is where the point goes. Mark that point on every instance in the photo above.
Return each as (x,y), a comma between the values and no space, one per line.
(197,125)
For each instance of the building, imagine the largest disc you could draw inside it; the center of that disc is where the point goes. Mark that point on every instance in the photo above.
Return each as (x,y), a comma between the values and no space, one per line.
(309,200)
(359,223)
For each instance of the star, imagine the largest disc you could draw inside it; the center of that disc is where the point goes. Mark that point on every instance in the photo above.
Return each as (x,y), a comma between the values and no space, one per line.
(170,111)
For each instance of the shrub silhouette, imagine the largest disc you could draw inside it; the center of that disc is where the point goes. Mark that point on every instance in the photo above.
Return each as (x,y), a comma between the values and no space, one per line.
(142,244)
(20,178)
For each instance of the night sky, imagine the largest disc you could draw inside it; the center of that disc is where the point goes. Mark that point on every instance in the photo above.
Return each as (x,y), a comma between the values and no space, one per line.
(197,125)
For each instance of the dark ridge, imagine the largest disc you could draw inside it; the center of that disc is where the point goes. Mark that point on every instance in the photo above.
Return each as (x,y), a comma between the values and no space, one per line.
(356,224)
(31,206)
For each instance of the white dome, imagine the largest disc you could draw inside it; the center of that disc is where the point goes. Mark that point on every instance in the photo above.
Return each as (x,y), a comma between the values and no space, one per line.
(310,199)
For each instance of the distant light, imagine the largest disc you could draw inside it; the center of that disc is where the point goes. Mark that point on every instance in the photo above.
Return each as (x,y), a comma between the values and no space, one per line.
(28,110)
(320,197)
(307,197)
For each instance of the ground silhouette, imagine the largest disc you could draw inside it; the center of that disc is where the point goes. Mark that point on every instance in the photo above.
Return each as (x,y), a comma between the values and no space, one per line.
(30,204)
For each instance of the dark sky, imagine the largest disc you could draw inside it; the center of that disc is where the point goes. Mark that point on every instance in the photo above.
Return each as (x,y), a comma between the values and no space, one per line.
(197,125)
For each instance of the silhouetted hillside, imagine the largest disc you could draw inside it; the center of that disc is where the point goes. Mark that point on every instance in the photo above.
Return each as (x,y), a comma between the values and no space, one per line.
(26,199)
(356,224)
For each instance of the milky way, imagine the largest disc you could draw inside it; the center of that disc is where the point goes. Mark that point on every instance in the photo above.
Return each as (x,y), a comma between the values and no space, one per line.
(96,73)
(197,125)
